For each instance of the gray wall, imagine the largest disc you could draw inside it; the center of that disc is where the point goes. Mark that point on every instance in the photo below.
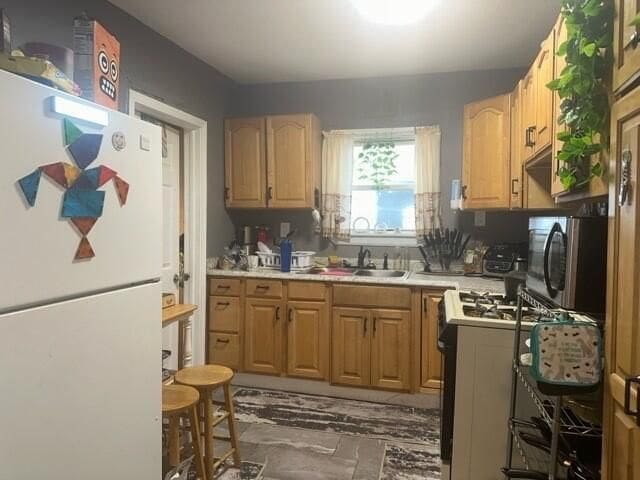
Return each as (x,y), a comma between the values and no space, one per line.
(151,64)
(386,102)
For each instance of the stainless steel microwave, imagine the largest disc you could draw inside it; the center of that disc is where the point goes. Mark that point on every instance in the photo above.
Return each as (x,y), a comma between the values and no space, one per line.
(567,261)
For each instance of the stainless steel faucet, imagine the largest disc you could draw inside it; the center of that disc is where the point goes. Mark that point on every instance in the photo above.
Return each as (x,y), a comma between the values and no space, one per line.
(361,256)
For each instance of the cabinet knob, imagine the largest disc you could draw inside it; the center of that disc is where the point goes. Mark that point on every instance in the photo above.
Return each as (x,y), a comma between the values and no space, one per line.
(290,314)
(277,313)
(365,326)
(226,193)
(513,186)
(269,193)
(463,192)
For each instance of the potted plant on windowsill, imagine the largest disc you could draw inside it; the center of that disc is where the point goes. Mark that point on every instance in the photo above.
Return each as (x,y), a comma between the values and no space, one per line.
(583,90)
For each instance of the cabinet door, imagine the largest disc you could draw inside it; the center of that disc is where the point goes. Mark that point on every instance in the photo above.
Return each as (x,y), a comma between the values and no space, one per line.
(244,163)
(485,165)
(263,335)
(390,354)
(308,339)
(544,96)
(622,434)
(560,63)
(431,358)
(351,346)
(625,44)
(289,169)
(528,115)
(515,198)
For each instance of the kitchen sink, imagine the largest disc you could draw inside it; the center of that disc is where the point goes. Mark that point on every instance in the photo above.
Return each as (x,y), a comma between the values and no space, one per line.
(336,271)
(380,273)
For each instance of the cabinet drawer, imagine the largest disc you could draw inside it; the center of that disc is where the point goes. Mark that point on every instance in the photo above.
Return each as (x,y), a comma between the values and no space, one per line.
(264,288)
(224,313)
(224,349)
(371,296)
(307,291)
(224,286)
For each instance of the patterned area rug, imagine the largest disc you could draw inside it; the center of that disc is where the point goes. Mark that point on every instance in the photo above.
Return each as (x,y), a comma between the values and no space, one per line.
(411,434)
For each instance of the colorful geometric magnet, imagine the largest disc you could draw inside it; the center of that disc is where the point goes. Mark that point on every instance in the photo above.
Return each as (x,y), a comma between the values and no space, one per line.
(106,174)
(84,224)
(85,149)
(84,250)
(122,188)
(29,186)
(55,171)
(88,179)
(71,173)
(82,203)
(71,132)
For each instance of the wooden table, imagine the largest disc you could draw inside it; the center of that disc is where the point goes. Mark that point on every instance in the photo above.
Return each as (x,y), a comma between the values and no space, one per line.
(178,313)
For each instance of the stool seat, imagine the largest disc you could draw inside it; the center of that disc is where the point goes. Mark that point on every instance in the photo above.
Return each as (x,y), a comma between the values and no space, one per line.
(204,376)
(178,397)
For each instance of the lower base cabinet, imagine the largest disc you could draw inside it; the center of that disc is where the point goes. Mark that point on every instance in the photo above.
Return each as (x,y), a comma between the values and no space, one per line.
(390,352)
(263,336)
(224,349)
(307,339)
(370,348)
(351,347)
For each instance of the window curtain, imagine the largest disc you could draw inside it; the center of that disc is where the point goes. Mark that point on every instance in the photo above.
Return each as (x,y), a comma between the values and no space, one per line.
(337,173)
(427,155)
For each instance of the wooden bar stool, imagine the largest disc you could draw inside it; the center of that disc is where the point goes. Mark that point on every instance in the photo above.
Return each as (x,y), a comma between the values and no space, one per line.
(206,378)
(177,401)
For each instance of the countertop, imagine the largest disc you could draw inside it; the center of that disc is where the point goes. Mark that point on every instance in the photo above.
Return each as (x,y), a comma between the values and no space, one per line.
(415,279)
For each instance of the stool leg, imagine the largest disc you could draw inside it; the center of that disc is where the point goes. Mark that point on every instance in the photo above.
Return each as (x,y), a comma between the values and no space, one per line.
(231,419)
(195,441)
(174,440)
(208,434)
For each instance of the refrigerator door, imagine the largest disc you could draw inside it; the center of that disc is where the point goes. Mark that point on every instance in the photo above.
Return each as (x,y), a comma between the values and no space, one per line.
(81,394)
(38,245)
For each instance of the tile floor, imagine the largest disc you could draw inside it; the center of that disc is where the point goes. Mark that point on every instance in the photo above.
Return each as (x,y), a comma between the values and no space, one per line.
(334,433)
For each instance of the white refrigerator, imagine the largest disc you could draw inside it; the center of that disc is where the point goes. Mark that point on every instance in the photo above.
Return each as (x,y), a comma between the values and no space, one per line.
(80,298)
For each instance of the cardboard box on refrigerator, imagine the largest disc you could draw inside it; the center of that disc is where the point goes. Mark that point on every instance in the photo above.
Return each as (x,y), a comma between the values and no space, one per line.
(97,62)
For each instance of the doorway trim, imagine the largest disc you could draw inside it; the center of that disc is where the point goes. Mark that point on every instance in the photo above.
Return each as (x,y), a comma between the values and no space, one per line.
(195,206)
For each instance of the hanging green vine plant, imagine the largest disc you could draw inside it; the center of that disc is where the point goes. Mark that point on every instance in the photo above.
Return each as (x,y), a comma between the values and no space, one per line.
(377,163)
(582,87)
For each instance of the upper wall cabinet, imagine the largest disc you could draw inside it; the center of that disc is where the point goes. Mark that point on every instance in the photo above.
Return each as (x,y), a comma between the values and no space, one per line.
(293,160)
(543,134)
(537,104)
(272,162)
(245,162)
(626,38)
(485,160)
(516,190)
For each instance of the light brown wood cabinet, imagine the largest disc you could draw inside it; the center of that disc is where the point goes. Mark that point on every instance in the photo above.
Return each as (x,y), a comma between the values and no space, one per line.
(371,338)
(351,346)
(307,339)
(621,432)
(431,358)
(272,162)
(371,347)
(224,316)
(263,332)
(515,152)
(485,160)
(544,63)
(245,163)
(528,115)
(626,37)
(390,354)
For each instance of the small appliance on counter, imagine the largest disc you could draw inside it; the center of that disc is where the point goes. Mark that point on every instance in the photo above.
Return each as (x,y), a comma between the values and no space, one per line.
(502,258)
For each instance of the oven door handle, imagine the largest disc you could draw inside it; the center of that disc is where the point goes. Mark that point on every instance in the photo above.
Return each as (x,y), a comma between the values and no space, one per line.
(552,290)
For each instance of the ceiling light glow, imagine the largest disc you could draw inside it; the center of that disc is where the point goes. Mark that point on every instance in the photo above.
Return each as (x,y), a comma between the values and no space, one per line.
(394,12)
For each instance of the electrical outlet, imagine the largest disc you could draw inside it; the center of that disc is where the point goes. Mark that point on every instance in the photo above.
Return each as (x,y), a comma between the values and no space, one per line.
(480,219)
(285,228)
